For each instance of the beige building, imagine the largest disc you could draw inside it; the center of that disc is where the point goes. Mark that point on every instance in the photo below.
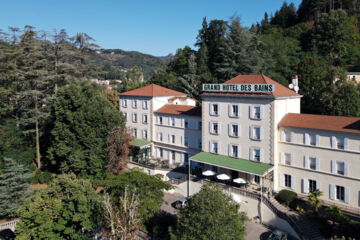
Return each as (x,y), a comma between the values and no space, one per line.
(258,136)
(164,121)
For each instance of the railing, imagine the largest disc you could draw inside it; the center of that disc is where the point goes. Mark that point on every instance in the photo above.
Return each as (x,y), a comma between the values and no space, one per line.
(8,225)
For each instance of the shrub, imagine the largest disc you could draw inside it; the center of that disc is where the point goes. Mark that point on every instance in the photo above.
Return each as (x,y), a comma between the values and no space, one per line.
(286,197)
(42,177)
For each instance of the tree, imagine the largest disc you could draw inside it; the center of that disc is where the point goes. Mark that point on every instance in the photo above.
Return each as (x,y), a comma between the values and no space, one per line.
(148,188)
(210,214)
(314,199)
(124,220)
(118,143)
(84,118)
(14,188)
(190,81)
(286,16)
(69,209)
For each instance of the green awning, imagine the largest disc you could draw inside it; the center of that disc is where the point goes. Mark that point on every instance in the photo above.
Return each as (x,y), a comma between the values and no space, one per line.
(139,143)
(236,164)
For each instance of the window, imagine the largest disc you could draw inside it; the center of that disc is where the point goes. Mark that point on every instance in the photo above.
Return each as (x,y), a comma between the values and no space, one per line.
(124,103)
(256,133)
(234,151)
(161,153)
(287,136)
(172,138)
(135,132)
(172,121)
(186,123)
(287,180)
(287,158)
(214,128)
(160,136)
(214,147)
(340,143)
(199,125)
(312,140)
(312,163)
(312,185)
(233,110)
(199,144)
(214,109)
(134,117)
(145,104)
(340,167)
(145,134)
(340,193)
(256,153)
(145,118)
(257,112)
(186,141)
(125,114)
(234,130)
(257,179)
(134,104)
(160,120)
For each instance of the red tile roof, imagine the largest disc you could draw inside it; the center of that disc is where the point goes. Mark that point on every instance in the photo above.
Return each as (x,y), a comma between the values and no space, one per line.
(152,90)
(280,90)
(181,98)
(180,109)
(321,122)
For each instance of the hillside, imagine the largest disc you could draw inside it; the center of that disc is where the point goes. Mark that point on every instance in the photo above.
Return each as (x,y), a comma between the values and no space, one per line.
(120,60)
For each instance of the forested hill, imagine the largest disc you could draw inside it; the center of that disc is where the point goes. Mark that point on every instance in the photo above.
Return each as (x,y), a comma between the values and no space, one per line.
(126,60)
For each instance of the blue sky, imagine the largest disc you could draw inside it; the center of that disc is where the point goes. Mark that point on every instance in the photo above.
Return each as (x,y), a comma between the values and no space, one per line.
(156,27)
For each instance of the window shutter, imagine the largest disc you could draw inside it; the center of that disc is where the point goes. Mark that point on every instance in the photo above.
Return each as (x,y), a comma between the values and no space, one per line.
(291,159)
(332,192)
(306,139)
(317,168)
(219,128)
(346,169)
(250,112)
(333,142)
(210,125)
(210,150)
(169,156)
(229,148)
(210,109)
(251,157)
(261,155)
(239,130)
(318,185)
(251,134)
(346,143)
(182,158)
(346,199)
(230,110)
(291,136)
(306,162)
(283,158)
(261,133)
(333,166)
(305,185)
(261,112)
(317,140)
(282,180)
(229,129)
(283,136)
(168,137)
(181,140)
(292,182)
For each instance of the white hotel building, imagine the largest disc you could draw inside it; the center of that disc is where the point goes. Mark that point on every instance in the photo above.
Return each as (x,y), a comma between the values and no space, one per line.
(259,136)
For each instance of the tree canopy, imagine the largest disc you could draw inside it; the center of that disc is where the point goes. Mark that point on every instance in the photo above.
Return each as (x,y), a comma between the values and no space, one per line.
(210,214)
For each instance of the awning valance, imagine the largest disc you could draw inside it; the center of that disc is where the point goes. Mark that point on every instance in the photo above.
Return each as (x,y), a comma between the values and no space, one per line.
(236,164)
(139,143)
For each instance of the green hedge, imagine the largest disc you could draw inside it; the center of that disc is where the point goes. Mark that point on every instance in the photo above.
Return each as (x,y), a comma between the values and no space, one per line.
(286,197)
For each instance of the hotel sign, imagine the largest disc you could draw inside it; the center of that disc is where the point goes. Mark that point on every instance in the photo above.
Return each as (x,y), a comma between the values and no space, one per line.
(254,88)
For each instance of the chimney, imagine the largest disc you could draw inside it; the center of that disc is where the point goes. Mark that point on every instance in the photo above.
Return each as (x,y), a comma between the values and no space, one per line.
(294,85)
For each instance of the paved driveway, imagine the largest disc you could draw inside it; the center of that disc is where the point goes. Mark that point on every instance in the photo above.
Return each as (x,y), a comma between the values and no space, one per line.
(169,198)
(256,231)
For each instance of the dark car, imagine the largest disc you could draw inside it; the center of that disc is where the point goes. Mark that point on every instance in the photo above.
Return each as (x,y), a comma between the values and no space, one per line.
(277,235)
(7,234)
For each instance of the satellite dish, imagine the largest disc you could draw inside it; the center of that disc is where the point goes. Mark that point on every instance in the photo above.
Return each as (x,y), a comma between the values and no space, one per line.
(296,88)
(291,86)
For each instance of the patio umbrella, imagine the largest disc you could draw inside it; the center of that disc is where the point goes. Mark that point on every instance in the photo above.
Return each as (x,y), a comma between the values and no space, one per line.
(223,176)
(239,180)
(208,173)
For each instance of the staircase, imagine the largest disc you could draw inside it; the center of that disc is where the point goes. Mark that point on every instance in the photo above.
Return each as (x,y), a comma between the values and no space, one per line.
(305,228)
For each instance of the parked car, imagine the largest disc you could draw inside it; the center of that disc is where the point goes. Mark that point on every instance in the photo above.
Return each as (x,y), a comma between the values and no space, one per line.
(7,234)
(180,203)
(277,235)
